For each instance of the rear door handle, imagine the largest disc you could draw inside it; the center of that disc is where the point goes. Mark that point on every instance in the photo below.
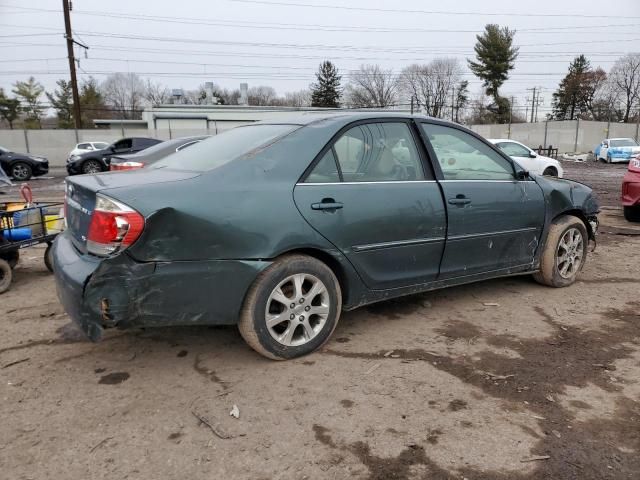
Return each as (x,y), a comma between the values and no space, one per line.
(327,204)
(459,200)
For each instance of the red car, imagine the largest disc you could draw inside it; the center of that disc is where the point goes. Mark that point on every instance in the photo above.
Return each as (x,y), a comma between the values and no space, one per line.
(631,191)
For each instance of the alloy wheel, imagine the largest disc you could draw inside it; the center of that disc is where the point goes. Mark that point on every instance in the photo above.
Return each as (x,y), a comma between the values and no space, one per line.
(297,309)
(92,167)
(20,172)
(569,254)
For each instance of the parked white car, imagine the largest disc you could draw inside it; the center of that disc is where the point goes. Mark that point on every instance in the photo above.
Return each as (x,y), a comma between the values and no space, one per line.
(529,159)
(613,150)
(88,147)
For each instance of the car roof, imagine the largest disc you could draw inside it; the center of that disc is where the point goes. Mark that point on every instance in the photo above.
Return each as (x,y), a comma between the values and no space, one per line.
(621,138)
(494,140)
(338,117)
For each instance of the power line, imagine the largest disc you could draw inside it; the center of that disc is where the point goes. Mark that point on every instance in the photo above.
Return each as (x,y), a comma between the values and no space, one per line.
(318,27)
(429,12)
(398,49)
(263,24)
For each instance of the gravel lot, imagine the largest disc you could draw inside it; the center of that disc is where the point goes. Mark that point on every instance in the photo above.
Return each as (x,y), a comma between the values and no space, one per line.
(502,380)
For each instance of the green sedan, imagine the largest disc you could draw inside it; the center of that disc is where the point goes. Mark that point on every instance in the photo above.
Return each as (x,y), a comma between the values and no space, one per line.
(279,227)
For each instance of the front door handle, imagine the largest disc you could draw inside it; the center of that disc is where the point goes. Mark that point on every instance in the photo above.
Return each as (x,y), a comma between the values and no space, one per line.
(460,200)
(328,204)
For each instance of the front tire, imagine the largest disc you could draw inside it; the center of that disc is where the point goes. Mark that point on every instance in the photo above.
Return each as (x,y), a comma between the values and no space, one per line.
(91,166)
(291,309)
(632,213)
(21,172)
(564,254)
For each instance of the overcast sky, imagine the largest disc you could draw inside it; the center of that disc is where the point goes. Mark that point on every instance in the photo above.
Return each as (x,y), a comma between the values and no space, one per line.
(280,42)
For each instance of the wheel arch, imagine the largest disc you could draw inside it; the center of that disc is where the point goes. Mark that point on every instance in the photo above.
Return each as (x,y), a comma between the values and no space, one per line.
(345,278)
(580,215)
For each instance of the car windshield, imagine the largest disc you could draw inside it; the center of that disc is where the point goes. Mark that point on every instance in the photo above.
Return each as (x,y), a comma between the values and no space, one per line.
(101,145)
(623,142)
(224,147)
(2,149)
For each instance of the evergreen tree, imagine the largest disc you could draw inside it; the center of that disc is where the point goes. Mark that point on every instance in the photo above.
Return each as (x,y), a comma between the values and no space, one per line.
(62,101)
(92,103)
(327,91)
(462,98)
(495,58)
(571,98)
(29,93)
(9,108)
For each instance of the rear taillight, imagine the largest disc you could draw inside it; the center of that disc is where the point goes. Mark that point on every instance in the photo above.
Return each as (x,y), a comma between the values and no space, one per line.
(114,226)
(126,166)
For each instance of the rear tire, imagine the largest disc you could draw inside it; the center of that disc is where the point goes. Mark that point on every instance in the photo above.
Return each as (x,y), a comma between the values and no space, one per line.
(291,309)
(21,172)
(6,275)
(550,172)
(565,252)
(12,257)
(48,258)
(632,213)
(91,166)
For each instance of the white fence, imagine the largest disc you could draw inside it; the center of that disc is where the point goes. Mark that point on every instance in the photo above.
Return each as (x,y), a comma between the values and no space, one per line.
(567,136)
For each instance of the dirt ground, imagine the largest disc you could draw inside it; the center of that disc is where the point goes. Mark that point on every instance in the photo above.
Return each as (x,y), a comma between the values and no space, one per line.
(503,380)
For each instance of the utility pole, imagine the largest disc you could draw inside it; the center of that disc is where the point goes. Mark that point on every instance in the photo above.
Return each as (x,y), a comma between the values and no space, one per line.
(66,8)
(533,103)
(453,94)
(510,115)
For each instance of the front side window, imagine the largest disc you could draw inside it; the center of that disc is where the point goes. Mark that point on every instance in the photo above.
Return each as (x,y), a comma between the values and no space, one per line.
(464,157)
(372,152)
(513,149)
(100,145)
(85,146)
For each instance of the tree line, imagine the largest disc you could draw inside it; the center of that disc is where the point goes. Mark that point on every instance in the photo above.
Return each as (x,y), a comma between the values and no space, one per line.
(436,88)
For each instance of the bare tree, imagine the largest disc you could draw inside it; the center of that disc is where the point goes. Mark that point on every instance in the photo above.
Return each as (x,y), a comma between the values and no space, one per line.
(432,85)
(625,78)
(125,93)
(372,86)
(301,98)
(156,93)
(262,95)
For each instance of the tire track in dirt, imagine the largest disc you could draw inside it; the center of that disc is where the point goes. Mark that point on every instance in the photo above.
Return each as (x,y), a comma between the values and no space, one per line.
(569,356)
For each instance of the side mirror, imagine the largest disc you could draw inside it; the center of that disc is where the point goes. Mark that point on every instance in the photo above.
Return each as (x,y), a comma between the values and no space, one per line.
(522,175)
(533,154)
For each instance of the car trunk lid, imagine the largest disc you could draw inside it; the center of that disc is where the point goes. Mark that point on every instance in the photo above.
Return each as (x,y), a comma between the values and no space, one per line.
(80,195)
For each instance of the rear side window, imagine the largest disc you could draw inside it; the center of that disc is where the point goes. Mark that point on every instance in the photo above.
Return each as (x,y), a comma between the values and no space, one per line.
(372,152)
(123,144)
(224,147)
(464,157)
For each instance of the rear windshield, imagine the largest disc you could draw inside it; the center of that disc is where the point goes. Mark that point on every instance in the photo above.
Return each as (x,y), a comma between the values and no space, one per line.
(623,142)
(224,147)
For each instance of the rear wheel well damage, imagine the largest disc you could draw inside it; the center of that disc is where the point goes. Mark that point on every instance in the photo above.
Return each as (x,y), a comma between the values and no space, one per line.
(331,262)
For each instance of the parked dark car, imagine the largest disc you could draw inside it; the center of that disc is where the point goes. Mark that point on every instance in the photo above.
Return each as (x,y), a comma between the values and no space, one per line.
(280,227)
(152,154)
(98,160)
(22,166)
